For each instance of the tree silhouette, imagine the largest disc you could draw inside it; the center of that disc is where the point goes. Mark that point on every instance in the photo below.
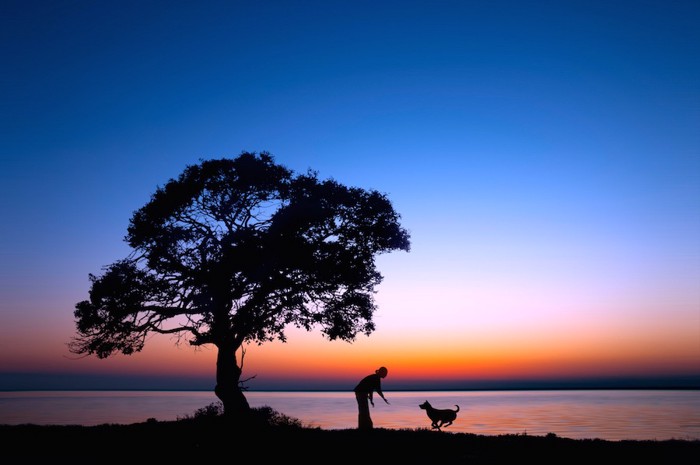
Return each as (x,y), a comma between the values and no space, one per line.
(234,251)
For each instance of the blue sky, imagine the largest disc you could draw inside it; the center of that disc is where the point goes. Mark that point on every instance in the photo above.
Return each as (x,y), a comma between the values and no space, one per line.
(544,155)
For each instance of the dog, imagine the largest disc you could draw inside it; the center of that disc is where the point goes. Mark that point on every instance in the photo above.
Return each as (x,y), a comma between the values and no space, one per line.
(439,417)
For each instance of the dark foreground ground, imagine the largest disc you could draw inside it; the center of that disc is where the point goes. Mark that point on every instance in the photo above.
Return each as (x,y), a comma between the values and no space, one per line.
(279,440)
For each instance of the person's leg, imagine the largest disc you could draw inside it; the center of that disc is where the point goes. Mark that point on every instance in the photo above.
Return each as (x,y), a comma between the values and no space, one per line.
(364,421)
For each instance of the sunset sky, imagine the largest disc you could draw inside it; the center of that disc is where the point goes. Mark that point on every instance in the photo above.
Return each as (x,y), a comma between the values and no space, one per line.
(543,155)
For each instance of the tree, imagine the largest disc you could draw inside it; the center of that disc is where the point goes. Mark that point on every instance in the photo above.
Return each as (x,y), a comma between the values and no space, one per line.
(234,251)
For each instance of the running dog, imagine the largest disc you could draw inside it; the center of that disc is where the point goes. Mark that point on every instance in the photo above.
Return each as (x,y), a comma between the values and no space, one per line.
(439,417)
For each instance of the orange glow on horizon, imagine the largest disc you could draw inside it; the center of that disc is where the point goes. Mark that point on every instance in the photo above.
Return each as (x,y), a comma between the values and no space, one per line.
(429,356)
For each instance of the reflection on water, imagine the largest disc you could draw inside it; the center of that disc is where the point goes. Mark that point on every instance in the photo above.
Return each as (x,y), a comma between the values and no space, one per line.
(98,407)
(612,415)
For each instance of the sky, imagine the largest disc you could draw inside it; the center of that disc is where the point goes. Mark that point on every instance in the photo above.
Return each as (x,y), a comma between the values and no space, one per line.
(543,155)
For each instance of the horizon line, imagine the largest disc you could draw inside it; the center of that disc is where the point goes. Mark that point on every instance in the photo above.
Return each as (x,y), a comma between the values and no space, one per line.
(15,382)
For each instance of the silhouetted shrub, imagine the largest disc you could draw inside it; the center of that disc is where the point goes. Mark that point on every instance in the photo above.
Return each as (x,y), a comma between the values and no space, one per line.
(269,416)
(263,416)
(214,409)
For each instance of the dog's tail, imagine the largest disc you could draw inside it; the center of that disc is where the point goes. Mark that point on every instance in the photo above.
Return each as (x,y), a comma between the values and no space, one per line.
(457,408)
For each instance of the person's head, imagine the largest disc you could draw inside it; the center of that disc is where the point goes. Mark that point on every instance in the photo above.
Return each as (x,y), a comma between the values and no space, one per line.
(382,372)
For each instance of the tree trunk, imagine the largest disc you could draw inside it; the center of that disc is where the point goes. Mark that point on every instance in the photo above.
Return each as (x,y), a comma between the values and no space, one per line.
(228,388)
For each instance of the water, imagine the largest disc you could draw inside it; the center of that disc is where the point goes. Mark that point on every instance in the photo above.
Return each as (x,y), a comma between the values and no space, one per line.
(588,414)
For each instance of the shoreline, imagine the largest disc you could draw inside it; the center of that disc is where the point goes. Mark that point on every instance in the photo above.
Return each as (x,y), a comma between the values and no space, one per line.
(284,440)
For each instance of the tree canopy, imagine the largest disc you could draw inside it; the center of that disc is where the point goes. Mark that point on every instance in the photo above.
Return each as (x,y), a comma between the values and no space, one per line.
(236,250)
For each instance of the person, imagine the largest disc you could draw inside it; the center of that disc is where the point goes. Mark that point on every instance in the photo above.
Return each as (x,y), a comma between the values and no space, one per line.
(364,392)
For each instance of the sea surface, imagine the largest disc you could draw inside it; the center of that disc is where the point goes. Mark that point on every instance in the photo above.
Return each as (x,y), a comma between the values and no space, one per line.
(585,414)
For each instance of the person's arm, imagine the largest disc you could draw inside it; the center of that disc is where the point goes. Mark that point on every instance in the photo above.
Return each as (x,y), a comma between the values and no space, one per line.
(379,390)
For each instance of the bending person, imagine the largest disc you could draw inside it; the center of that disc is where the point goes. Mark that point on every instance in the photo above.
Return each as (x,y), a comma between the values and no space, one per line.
(364,392)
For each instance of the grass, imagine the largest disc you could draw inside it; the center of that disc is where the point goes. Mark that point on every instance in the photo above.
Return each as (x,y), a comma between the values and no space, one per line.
(272,437)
